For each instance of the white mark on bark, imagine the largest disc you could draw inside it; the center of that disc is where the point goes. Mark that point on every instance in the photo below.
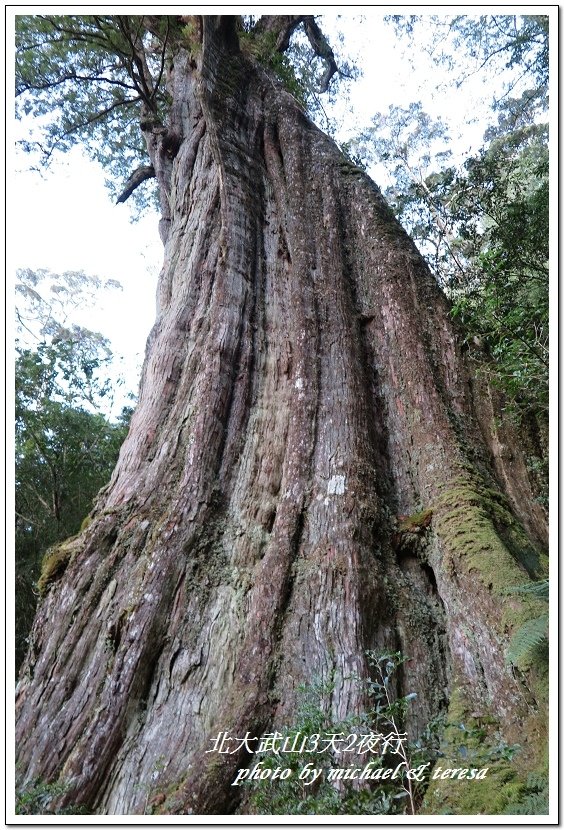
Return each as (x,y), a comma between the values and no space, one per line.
(336,486)
(299,384)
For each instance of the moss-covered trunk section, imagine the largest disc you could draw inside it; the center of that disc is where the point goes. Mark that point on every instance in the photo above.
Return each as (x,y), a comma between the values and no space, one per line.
(306,478)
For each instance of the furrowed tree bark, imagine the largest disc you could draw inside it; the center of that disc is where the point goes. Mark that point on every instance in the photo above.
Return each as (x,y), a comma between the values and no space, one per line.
(303,387)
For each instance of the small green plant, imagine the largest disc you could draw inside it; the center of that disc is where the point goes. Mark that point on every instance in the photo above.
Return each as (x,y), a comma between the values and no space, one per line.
(191,35)
(415,523)
(293,796)
(533,634)
(537,467)
(55,563)
(333,792)
(390,712)
(36,798)
(533,800)
(480,743)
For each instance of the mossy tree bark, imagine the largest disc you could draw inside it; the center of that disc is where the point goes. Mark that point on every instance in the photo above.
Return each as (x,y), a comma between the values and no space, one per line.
(303,386)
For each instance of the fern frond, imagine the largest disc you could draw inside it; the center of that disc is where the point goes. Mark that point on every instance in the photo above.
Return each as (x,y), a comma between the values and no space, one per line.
(535,804)
(527,638)
(536,589)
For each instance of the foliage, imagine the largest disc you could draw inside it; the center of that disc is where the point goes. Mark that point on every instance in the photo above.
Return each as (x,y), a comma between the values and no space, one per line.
(389,713)
(411,145)
(64,455)
(386,715)
(533,799)
(307,69)
(65,450)
(536,589)
(86,79)
(502,207)
(303,67)
(263,48)
(100,81)
(34,800)
(527,639)
(292,796)
(45,301)
(483,224)
(533,634)
(74,361)
(472,739)
(516,45)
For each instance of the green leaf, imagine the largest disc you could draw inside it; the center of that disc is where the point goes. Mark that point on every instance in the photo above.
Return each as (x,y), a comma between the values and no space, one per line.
(527,638)
(536,589)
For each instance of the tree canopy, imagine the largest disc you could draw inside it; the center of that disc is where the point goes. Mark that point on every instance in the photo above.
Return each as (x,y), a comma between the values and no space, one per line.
(483,222)
(110,95)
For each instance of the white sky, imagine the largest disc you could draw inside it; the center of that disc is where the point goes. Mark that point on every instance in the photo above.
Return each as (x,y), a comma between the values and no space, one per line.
(65,219)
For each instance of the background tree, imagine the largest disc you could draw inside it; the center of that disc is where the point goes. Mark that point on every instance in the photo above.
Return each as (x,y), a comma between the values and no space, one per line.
(311,471)
(65,449)
(483,223)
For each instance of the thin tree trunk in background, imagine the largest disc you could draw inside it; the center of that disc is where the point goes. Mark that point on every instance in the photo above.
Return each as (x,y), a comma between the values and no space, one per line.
(303,387)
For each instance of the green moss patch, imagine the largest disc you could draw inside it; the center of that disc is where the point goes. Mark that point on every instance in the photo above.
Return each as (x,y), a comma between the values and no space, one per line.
(480,536)
(86,522)
(55,563)
(415,523)
(470,742)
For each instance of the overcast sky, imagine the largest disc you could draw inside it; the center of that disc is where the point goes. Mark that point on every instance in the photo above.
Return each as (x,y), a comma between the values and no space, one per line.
(65,220)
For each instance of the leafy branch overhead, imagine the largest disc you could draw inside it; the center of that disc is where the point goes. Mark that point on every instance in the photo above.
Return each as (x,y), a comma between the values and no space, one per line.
(490,42)
(282,28)
(101,81)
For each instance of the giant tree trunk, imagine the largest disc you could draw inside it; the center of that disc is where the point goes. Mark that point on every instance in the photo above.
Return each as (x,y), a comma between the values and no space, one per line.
(303,386)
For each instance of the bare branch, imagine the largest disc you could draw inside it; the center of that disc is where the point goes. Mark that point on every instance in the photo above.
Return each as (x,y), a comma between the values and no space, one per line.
(320,46)
(71,76)
(282,26)
(138,177)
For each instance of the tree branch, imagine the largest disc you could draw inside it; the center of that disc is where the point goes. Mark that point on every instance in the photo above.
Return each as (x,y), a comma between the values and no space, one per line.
(281,26)
(29,86)
(138,177)
(32,522)
(320,46)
